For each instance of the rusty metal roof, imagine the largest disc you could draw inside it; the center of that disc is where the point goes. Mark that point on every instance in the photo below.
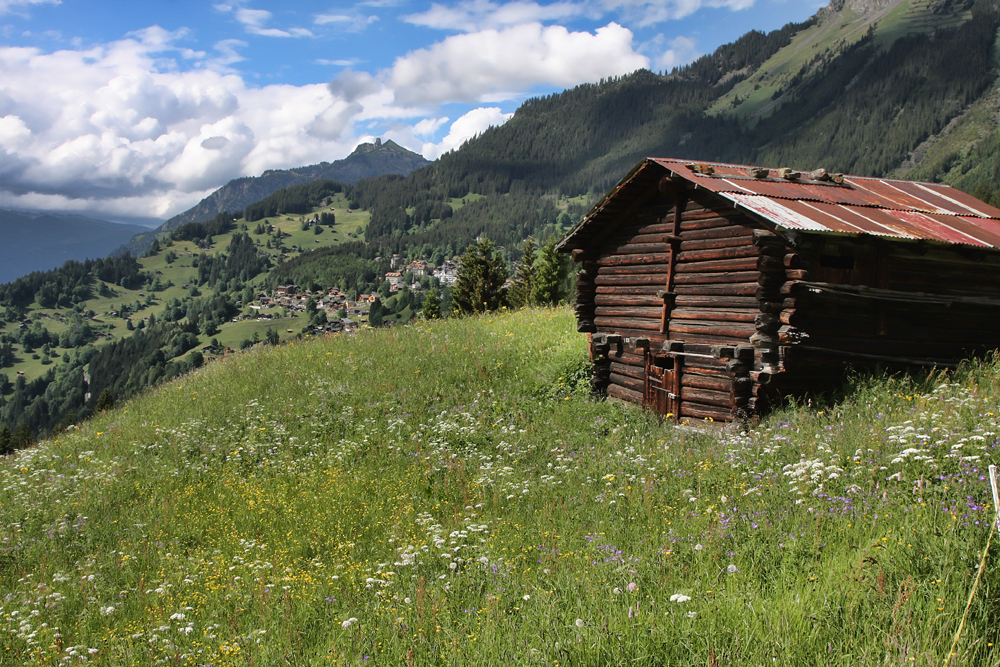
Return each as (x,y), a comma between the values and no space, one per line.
(857,205)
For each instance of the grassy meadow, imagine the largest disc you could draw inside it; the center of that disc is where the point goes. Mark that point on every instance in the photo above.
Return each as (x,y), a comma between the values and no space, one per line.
(448,494)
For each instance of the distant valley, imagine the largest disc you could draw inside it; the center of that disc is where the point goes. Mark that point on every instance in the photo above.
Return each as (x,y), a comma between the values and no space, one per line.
(35,241)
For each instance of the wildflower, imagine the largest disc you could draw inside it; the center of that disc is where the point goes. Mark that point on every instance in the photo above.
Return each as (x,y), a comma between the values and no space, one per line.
(348,623)
(107,611)
(692,614)
(177,617)
(679,597)
(631,586)
(580,623)
(407,600)
(698,547)
(732,569)
(617,591)
(526,598)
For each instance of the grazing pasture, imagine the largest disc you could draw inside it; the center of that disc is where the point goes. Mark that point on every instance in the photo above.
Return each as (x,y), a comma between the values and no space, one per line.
(447,493)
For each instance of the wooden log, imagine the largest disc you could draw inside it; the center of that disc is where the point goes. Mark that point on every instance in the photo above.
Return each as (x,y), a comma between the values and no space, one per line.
(716,277)
(714,314)
(715,383)
(709,302)
(766,322)
(627,300)
(628,357)
(722,289)
(621,393)
(628,289)
(854,292)
(708,222)
(701,411)
(638,258)
(637,372)
(743,331)
(737,231)
(706,396)
(636,249)
(632,323)
(793,260)
(644,279)
(628,382)
(716,254)
(625,311)
(722,265)
(635,269)
(693,245)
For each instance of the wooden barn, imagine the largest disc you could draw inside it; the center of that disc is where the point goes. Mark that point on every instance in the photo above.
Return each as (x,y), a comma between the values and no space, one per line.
(714,290)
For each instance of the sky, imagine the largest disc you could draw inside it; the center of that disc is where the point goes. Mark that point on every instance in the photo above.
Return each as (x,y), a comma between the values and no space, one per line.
(141,108)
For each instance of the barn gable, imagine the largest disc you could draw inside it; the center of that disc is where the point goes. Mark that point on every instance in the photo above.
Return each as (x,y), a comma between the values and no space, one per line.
(713,290)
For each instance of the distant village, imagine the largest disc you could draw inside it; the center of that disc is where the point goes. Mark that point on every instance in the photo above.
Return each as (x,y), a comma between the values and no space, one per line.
(343,314)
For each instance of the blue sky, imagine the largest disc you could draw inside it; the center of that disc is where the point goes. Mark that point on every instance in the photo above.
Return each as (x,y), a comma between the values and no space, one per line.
(142,108)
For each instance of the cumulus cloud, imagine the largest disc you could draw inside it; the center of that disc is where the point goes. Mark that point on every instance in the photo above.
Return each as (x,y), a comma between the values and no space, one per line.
(123,127)
(481,14)
(350,85)
(8,6)
(254,21)
(468,66)
(681,51)
(465,128)
(650,12)
(352,21)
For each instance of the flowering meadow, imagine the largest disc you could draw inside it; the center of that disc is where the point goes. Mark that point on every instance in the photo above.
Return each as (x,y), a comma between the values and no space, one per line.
(449,494)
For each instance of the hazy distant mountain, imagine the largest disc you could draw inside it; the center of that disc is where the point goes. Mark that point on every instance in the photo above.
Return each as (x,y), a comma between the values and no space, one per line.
(367,160)
(42,241)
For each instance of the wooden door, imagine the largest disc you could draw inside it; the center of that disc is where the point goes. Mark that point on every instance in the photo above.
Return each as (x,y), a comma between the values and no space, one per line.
(663,384)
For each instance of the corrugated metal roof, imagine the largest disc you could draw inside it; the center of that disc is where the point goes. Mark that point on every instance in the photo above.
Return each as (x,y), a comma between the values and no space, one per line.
(858,205)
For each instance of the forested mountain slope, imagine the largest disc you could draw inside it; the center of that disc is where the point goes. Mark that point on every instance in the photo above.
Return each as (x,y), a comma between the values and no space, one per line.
(367,160)
(857,89)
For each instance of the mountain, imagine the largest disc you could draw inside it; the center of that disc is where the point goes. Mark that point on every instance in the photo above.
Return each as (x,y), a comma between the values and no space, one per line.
(39,241)
(869,87)
(367,160)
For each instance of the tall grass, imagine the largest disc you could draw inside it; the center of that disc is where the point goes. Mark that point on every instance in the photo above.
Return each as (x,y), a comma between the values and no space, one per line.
(449,494)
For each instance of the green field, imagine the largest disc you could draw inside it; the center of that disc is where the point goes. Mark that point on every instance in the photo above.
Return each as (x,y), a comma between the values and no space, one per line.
(447,493)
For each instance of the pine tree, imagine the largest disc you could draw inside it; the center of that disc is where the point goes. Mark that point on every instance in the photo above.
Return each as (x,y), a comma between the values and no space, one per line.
(375,313)
(105,401)
(479,286)
(6,440)
(524,276)
(550,273)
(432,306)
(22,436)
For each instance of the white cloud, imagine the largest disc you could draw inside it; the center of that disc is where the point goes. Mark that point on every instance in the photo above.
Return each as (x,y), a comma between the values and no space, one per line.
(468,126)
(9,6)
(353,21)
(682,51)
(650,12)
(254,20)
(468,66)
(122,128)
(482,14)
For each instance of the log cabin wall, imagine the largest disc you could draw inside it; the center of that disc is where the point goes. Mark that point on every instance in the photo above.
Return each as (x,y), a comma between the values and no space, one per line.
(684,270)
(867,302)
(716,290)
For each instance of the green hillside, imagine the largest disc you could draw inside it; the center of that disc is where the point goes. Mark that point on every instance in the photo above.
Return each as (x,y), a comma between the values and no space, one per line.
(864,87)
(190,291)
(447,494)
